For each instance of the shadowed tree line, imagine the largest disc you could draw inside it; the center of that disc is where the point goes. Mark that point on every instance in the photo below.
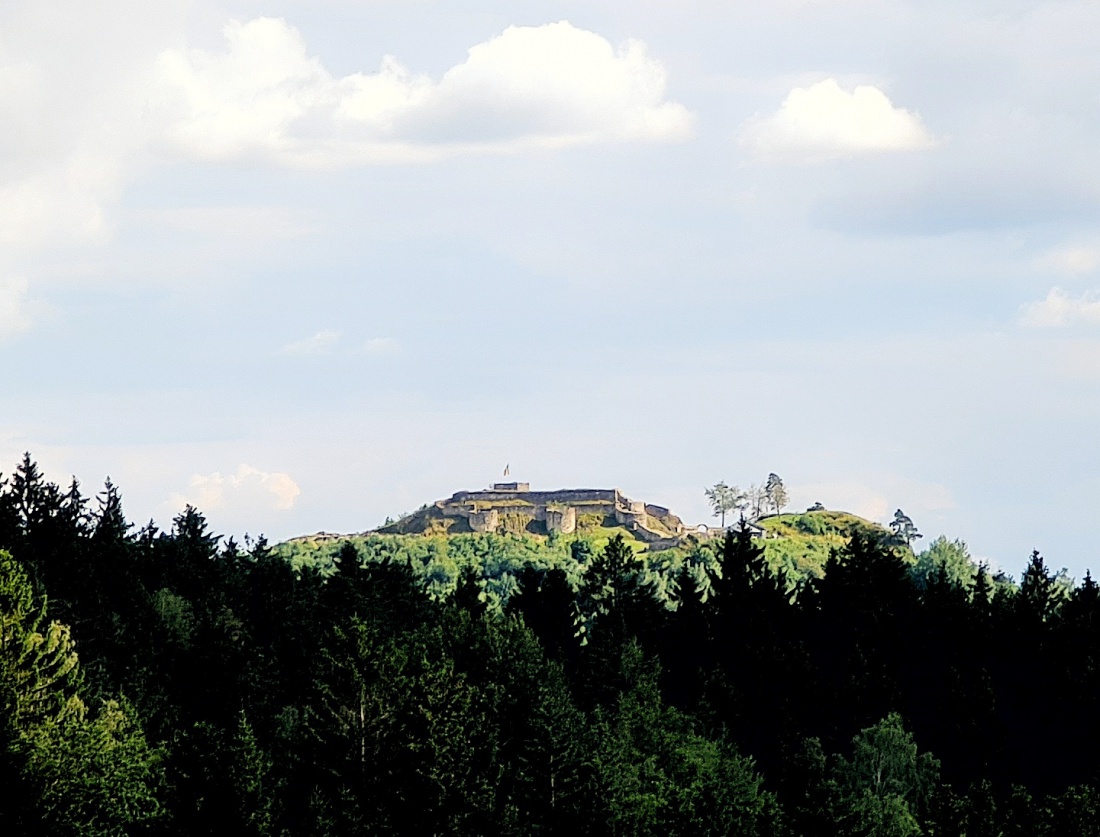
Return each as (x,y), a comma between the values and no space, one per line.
(170,682)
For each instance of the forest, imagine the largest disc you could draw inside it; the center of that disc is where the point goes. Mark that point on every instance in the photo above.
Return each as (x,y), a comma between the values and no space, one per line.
(175,682)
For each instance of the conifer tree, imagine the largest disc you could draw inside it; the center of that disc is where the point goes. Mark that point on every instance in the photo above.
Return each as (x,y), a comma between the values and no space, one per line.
(862,631)
(548,607)
(80,773)
(757,648)
(1040,597)
(687,652)
(903,530)
(617,607)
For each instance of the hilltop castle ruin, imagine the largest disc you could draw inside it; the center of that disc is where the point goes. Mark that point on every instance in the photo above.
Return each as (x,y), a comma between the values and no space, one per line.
(513,506)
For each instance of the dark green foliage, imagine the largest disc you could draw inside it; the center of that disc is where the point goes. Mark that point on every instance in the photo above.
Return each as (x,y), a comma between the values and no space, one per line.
(886,788)
(947,558)
(548,606)
(618,606)
(862,625)
(657,776)
(903,530)
(759,662)
(67,771)
(481,685)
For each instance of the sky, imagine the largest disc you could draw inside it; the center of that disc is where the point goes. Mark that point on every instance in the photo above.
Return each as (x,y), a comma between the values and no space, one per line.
(310,265)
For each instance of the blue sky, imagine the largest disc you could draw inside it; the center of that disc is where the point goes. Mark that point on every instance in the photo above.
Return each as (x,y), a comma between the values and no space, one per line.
(307,265)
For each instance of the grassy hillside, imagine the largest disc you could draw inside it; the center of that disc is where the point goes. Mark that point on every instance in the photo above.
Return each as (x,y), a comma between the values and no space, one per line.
(439,560)
(440,549)
(800,543)
(320,550)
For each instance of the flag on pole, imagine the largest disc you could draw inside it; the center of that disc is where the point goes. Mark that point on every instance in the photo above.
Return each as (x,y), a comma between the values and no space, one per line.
(507,469)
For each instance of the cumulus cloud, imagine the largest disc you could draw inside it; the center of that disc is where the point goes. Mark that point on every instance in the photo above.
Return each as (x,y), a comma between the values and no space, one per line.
(1060,310)
(320,343)
(824,121)
(70,123)
(15,316)
(529,87)
(1070,260)
(71,114)
(248,490)
(89,98)
(54,178)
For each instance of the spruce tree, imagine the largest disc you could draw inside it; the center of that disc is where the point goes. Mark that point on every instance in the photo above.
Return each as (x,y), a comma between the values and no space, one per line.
(75,772)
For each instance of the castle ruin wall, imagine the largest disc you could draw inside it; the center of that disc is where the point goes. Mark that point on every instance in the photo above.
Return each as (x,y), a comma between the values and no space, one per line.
(561,520)
(485,521)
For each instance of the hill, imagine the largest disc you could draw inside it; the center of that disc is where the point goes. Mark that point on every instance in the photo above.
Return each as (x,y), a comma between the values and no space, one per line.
(800,543)
(508,527)
(413,691)
(512,507)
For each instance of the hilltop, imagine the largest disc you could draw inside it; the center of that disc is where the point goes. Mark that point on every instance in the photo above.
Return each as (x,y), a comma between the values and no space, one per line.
(514,508)
(513,519)
(800,543)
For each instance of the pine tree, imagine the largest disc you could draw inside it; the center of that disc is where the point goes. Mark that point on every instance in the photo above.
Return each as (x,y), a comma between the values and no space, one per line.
(687,650)
(862,629)
(903,530)
(548,607)
(80,774)
(760,667)
(617,606)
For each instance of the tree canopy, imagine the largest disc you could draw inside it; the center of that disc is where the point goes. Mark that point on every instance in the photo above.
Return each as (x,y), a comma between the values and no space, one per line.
(174,683)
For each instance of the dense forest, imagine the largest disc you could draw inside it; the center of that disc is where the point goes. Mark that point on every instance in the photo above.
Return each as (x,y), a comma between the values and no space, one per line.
(175,683)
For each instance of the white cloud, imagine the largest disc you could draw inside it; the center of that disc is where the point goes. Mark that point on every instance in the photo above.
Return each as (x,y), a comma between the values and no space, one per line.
(1060,310)
(824,121)
(319,344)
(529,87)
(64,203)
(15,316)
(71,113)
(1074,261)
(877,497)
(70,124)
(381,346)
(247,491)
(55,172)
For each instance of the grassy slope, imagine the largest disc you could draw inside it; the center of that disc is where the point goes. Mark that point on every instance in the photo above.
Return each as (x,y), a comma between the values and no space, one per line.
(800,543)
(524,546)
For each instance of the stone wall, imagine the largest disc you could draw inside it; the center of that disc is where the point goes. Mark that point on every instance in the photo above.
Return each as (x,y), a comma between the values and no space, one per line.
(559,510)
(485,521)
(630,517)
(673,523)
(561,520)
(567,497)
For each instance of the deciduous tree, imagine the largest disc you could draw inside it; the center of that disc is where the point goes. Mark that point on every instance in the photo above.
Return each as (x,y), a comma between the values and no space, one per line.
(724,498)
(775,493)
